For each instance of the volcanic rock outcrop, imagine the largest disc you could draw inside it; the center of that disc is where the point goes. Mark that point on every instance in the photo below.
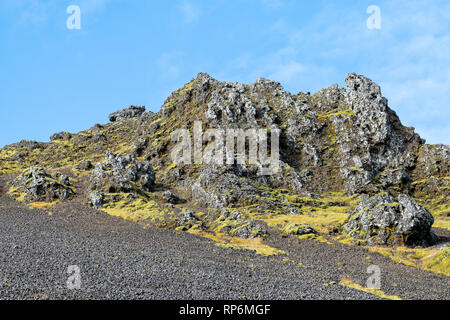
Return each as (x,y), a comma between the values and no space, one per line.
(119,174)
(385,220)
(35,184)
(334,146)
(131,112)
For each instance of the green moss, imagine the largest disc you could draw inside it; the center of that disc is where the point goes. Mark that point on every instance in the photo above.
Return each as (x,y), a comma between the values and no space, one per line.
(431,259)
(419,182)
(255,244)
(377,292)
(390,204)
(439,263)
(294,228)
(346,112)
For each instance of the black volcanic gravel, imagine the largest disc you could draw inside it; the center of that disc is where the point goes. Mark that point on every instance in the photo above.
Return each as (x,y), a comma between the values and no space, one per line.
(122,260)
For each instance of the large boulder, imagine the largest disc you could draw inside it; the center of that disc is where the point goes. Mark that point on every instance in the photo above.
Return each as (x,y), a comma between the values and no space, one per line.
(384,220)
(120,174)
(219,187)
(35,184)
(131,112)
(96,199)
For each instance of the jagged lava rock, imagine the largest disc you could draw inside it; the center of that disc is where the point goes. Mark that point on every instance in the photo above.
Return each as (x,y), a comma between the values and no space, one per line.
(35,184)
(335,139)
(338,139)
(131,112)
(382,219)
(96,199)
(64,135)
(120,174)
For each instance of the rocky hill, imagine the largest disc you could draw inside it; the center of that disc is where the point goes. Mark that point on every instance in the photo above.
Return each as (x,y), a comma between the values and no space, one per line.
(349,170)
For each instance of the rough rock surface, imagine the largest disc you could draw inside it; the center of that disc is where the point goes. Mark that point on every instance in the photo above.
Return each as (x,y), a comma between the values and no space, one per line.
(299,229)
(61,136)
(214,184)
(85,165)
(96,199)
(35,184)
(342,140)
(120,174)
(131,112)
(237,224)
(28,144)
(169,197)
(385,220)
(339,137)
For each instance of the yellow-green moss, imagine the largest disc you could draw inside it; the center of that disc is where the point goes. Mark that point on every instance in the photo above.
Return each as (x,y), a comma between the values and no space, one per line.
(431,259)
(346,112)
(323,221)
(377,292)
(130,208)
(43,205)
(438,262)
(255,244)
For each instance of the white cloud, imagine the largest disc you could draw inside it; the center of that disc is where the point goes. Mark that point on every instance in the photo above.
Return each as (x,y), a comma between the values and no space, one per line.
(281,66)
(416,77)
(191,13)
(408,57)
(31,12)
(287,71)
(169,64)
(243,61)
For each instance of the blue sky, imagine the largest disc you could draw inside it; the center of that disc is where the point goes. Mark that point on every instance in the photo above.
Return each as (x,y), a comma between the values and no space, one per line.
(137,52)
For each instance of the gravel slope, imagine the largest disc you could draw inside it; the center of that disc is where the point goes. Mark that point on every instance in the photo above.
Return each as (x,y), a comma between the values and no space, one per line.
(339,261)
(122,260)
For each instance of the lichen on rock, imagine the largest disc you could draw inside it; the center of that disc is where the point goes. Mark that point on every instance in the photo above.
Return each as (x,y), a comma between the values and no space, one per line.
(35,184)
(299,229)
(120,174)
(337,140)
(385,220)
(131,112)
(234,223)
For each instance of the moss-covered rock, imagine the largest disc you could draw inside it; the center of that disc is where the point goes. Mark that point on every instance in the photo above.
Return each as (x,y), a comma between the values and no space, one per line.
(299,229)
(35,184)
(382,219)
(338,139)
(236,224)
(120,174)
